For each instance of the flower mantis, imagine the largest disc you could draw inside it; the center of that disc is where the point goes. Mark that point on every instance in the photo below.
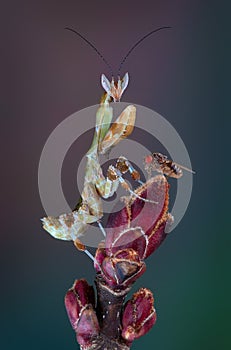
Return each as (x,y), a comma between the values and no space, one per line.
(133,233)
(72,225)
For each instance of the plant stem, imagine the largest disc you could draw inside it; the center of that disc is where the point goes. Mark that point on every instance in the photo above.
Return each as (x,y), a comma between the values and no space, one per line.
(109,309)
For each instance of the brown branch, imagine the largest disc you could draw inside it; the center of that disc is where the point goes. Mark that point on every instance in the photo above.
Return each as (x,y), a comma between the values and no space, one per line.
(109,309)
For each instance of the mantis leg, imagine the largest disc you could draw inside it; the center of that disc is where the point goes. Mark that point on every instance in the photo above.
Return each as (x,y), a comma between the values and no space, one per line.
(65,227)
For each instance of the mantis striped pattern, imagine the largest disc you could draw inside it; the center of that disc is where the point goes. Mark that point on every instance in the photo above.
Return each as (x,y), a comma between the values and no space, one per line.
(72,225)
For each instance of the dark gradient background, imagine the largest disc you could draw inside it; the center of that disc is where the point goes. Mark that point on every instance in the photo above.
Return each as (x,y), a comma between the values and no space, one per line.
(46,75)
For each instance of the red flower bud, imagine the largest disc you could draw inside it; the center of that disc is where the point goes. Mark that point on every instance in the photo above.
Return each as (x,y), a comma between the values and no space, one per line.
(88,327)
(139,315)
(123,268)
(140,225)
(79,302)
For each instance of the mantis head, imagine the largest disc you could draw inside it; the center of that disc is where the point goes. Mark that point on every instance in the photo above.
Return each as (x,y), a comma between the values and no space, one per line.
(115,89)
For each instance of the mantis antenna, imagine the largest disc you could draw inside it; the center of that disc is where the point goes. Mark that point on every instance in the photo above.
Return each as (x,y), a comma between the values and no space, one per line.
(93,46)
(126,56)
(137,43)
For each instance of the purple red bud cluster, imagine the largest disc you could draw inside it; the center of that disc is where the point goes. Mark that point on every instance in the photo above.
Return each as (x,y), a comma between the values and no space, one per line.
(133,233)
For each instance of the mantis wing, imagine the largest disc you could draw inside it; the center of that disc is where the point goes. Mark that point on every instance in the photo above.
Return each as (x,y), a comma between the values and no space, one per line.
(119,130)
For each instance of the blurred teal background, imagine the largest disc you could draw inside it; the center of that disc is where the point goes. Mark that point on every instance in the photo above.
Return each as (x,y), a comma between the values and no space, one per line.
(46,75)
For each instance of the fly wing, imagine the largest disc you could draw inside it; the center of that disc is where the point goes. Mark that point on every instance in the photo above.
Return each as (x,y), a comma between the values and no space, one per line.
(185,168)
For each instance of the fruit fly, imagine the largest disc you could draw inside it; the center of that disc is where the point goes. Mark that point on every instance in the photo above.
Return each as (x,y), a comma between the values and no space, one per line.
(160,163)
(89,209)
